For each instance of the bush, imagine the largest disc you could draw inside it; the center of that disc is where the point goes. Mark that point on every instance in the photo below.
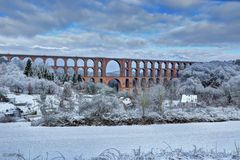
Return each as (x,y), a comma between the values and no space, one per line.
(90,88)
(99,106)
(144,99)
(6,119)
(104,89)
(157,96)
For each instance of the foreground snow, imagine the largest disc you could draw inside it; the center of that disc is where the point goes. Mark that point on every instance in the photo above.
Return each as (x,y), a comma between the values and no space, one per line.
(91,141)
(138,154)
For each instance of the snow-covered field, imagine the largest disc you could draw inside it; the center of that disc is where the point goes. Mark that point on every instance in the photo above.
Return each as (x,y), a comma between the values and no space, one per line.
(91,141)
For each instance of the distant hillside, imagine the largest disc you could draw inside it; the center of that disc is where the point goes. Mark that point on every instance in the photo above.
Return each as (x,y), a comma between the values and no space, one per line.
(216,81)
(237,62)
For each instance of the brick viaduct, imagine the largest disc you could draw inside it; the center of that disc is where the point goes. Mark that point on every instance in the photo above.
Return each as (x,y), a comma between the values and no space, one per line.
(133,72)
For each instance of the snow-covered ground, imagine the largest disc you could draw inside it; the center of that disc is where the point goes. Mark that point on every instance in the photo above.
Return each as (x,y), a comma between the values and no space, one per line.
(27,103)
(91,141)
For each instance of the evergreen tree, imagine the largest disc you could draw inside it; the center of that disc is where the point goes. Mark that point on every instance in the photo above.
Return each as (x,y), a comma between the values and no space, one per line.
(45,74)
(52,76)
(28,69)
(74,80)
(79,79)
(65,79)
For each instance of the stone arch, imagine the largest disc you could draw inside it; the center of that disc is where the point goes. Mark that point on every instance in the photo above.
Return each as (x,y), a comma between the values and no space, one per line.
(50,69)
(163,73)
(134,72)
(60,62)
(70,62)
(91,80)
(176,65)
(80,63)
(38,61)
(3,58)
(134,64)
(113,68)
(156,65)
(149,64)
(90,63)
(149,73)
(15,59)
(81,71)
(170,65)
(142,72)
(100,74)
(156,72)
(163,65)
(49,62)
(187,65)
(60,71)
(99,63)
(90,72)
(135,82)
(181,66)
(127,84)
(70,71)
(114,83)
(101,80)
(141,64)
(150,82)
(25,59)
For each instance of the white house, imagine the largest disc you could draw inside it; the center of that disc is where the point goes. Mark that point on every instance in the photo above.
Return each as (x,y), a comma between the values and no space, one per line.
(189,99)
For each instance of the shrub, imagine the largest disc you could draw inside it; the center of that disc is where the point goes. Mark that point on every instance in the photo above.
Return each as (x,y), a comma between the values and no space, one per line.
(157,96)
(90,88)
(144,101)
(99,106)
(6,119)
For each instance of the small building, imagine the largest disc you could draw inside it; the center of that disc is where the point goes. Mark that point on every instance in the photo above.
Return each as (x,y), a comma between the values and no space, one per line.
(189,99)
(3,98)
(16,112)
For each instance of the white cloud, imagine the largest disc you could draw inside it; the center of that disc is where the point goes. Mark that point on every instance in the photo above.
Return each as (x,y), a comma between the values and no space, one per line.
(132,29)
(183,4)
(49,48)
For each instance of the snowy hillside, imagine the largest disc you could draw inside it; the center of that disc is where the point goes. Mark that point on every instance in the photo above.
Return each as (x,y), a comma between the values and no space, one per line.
(60,100)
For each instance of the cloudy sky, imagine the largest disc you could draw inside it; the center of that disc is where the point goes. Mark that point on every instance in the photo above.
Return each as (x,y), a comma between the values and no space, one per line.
(197,30)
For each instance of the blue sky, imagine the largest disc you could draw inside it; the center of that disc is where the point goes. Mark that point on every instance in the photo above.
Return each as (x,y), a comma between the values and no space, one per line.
(196,30)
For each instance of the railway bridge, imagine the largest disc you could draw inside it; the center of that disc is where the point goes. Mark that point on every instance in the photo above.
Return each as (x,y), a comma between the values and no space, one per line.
(129,73)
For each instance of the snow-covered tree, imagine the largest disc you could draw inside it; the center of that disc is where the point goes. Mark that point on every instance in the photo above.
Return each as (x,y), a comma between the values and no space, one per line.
(90,88)
(210,81)
(28,69)
(67,90)
(234,90)
(100,106)
(66,98)
(144,99)
(157,96)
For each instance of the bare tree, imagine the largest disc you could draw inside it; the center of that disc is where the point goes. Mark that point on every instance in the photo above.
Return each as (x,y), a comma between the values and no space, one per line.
(144,101)
(66,103)
(158,95)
